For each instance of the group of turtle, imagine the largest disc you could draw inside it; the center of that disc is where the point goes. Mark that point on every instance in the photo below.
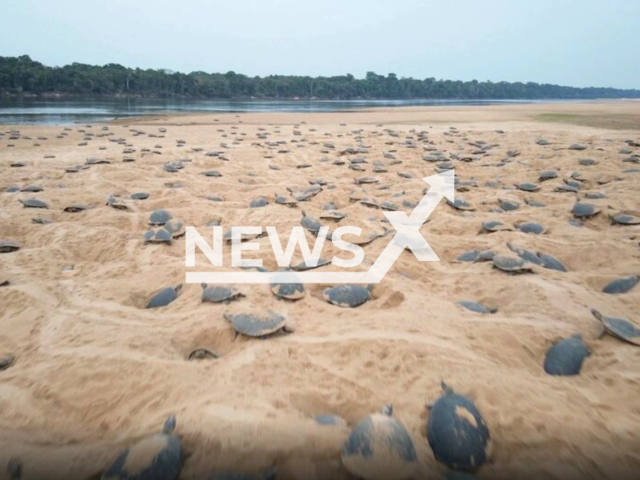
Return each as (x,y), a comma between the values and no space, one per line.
(379,447)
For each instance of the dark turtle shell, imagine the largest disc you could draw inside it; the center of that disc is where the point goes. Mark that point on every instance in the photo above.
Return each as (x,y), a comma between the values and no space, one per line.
(531,227)
(566,356)
(78,208)
(508,205)
(348,296)
(621,285)
(528,187)
(380,448)
(510,264)
(159,236)
(164,297)
(219,294)
(289,202)
(577,147)
(159,217)
(202,354)
(6,361)
(457,433)
(476,256)
(625,219)
(7,246)
(460,204)
(475,306)
(212,173)
(547,175)
(34,203)
(551,262)
(256,325)
(175,228)
(289,291)
(619,328)
(139,196)
(158,457)
(310,223)
(258,202)
(494,226)
(584,210)
(525,254)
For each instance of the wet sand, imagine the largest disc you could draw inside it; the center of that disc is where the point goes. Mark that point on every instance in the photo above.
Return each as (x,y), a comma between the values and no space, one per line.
(95,371)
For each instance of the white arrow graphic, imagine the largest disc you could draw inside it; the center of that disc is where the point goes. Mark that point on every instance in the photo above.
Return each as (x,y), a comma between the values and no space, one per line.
(407,236)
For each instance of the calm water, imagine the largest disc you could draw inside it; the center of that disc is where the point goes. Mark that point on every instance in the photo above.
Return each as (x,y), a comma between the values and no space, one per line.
(68,111)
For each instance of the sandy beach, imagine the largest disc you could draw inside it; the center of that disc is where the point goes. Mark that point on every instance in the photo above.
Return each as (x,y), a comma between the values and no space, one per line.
(94,370)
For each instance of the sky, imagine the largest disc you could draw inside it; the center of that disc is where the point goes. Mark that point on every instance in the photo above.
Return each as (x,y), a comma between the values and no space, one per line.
(568,42)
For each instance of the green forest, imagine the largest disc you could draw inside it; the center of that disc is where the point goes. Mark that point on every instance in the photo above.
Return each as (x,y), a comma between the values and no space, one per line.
(23,76)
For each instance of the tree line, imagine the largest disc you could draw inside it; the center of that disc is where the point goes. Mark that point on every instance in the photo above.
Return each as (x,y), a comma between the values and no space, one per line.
(23,76)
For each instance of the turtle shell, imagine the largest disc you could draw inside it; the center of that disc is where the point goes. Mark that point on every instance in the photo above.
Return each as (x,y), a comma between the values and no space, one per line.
(330,420)
(510,264)
(164,297)
(289,202)
(348,296)
(528,187)
(289,291)
(7,246)
(624,219)
(495,226)
(258,202)
(566,357)
(159,217)
(460,204)
(551,262)
(158,457)
(380,448)
(584,210)
(175,228)
(457,433)
(256,325)
(78,208)
(475,306)
(531,227)
(332,215)
(212,173)
(310,224)
(619,328)
(621,285)
(525,254)
(159,236)
(508,205)
(219,294)
(34,203)
(475,256)
(139,196)
(547,175)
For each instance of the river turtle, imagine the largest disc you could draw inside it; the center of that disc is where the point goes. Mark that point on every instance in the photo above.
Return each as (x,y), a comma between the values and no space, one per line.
(380,448)
(621,285)
(330,420)
(475,306)
(619,328)
(158,236)
(476,256)
(212,173)
(310,223)
(164,297)
(139,196)
(508,205)
(97,161)
(115,202)
(288,201)
(348,296)
(577,147)
(302,266)
(77,208)
(460,204)
(595,195)
(288,291)
(584,210)
(202,354)
(32,189)
(34,203)
(566,356)
(159,217)
(258,325)
(7,246)
(258,202)
(332,215)
(587,162)
(551,262)
(365,180)
(531,227)
(494,226)
(547,175)
(219,294)
(625,219)
(510,264)
(457,432)
(525,254)
(158,457)
(528,187)
(175,228)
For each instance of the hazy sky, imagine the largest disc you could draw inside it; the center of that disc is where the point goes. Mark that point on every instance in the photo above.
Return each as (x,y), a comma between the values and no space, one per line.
(568,42)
